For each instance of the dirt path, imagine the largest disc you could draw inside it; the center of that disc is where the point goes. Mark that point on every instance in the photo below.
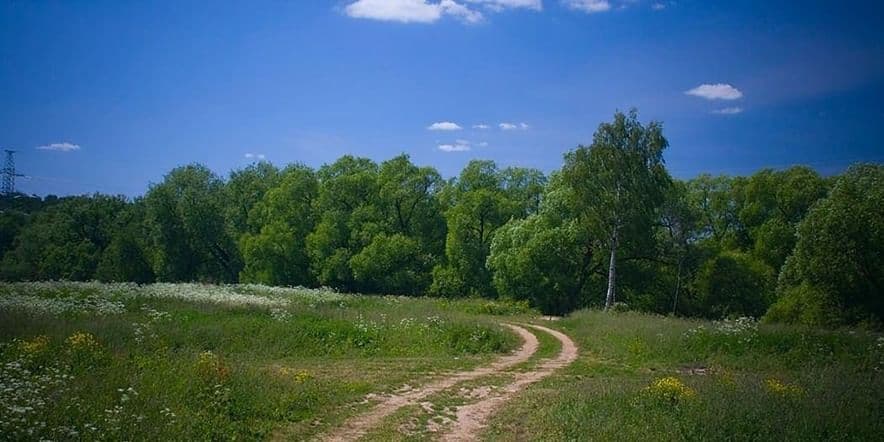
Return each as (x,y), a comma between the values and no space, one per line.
(358,426)
(472,418)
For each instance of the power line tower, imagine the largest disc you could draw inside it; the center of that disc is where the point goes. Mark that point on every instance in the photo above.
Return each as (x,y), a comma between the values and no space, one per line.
(9,173)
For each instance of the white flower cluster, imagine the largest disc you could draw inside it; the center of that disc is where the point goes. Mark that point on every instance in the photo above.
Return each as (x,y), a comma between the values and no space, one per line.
(745,329)
(24,394)
(280,314)
(739,326)
(409,323)
(145,331)
(211,294)
(59,306)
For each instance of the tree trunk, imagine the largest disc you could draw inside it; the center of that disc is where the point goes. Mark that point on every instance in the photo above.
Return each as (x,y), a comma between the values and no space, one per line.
(612,272)
(677,285)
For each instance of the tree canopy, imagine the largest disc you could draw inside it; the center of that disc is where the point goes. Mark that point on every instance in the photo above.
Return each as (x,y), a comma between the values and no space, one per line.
(610,229)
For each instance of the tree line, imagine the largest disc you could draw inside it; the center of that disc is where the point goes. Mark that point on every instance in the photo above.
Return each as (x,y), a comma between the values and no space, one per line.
(611,229)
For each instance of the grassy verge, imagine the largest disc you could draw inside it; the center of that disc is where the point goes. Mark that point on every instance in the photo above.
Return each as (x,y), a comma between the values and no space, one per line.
(118,361)
(642,377)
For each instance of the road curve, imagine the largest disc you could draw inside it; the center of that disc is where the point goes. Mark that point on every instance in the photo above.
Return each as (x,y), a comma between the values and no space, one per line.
(472,418)
(359,425)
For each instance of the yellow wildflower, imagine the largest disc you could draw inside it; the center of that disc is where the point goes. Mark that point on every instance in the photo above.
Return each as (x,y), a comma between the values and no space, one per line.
(83,341)
(670,389)
(35,346)
(299,376)
(781,388)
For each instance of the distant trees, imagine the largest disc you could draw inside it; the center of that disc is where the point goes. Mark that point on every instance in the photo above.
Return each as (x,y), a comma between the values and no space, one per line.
(479,201)
(189,240)
(63,241)
(836,274)
(612,225)
(276,254)
(549,258)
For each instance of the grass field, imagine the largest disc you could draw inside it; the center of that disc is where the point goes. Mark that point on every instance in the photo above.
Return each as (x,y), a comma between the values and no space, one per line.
(88,361)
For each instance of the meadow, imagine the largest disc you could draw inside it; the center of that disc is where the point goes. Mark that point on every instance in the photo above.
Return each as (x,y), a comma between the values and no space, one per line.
(93,361)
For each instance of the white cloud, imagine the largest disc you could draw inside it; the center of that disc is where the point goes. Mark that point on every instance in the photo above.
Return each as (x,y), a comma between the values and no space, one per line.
(481,126)
(411,11)
(513,126)
(658,6)
(499,5)
(457,146)
(728,111)
(259,156)
(719,91)
(482,144)
(60,147)
(589,6)
(444,125)
(466,14)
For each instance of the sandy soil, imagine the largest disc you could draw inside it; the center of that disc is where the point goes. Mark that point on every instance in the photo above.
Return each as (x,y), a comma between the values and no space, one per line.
(472,418)
(359,425)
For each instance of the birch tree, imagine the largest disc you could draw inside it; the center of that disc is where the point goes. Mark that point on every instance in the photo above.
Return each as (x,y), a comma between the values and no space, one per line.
(619,182)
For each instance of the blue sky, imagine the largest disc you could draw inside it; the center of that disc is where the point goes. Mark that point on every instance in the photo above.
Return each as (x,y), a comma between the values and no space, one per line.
(110,95)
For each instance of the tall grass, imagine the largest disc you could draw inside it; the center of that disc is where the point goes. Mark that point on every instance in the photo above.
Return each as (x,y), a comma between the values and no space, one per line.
(645,377)
(120,361)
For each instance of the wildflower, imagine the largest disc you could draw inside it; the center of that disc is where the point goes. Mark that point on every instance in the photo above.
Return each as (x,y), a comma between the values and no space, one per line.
(781,388)
(210,367)
(83,341)
(670,389)
(35,346)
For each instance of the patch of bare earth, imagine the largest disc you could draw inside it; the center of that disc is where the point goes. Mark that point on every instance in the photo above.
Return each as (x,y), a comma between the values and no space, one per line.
(472,418)
(359,425)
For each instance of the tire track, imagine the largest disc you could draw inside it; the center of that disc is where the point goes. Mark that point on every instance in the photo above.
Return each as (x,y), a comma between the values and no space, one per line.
(472,418)
(357,426)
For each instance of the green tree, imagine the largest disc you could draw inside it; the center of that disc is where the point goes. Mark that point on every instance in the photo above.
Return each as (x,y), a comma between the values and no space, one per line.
(126,258)
(619,181)
(65,240)
(277,254)
(189,238)
(734,284)
(244,189)
(392,264)
(347,200)
(550,258)
(835,275)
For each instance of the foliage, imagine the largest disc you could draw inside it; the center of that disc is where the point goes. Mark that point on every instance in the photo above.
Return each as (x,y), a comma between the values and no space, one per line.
(710,246)
(276,254)
(619,182)
(836,273)
(188,235)
(734,284)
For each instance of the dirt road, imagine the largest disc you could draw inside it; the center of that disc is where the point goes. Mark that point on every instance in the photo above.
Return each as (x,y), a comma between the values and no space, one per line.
(471,418)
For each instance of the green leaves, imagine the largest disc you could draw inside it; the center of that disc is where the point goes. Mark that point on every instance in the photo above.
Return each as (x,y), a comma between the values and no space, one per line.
(837,264)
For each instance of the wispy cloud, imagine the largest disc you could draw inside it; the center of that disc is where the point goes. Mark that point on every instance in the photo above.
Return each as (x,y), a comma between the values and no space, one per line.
(431,11)
(60,147)
(457,146)
(719,91)
(588,6)
(729,111)
(259,156)
(499,5)
(482,144)
(513,126)
(444,125)
(411,11)
(481,126)
(658,6)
